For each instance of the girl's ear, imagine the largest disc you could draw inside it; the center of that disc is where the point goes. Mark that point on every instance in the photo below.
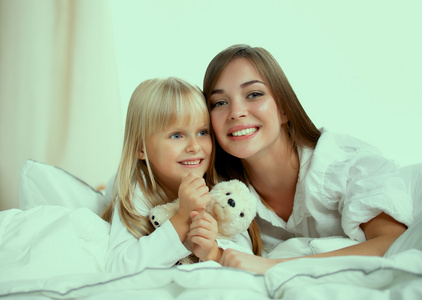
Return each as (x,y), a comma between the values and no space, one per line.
(141,154)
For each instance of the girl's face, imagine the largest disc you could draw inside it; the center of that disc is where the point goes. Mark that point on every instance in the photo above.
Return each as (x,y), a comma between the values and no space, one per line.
(244,115)
(179,150)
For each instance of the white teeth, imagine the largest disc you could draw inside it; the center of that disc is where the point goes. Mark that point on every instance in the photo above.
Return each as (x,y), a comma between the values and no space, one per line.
(244,132)
(192,162)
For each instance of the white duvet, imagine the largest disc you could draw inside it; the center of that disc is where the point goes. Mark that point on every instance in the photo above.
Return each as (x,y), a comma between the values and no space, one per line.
(55,249)
(58,252)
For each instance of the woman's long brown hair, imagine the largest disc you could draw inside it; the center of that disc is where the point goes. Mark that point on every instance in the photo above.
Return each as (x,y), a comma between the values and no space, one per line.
(301,129)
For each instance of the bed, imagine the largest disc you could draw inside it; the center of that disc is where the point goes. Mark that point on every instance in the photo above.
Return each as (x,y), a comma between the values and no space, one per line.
(54,248)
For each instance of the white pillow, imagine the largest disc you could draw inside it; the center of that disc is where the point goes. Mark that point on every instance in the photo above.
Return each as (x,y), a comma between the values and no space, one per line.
(43,184)
(49,241)
(412,176)
(412,238)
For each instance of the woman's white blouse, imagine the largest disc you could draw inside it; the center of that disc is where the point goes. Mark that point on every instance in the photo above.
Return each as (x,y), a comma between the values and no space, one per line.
(342,183)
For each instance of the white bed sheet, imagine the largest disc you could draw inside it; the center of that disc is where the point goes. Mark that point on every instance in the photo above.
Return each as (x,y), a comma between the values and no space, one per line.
(56,247)
(52,252)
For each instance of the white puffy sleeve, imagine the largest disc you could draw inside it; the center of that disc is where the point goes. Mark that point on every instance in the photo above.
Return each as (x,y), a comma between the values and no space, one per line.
(127,254)
(371,185)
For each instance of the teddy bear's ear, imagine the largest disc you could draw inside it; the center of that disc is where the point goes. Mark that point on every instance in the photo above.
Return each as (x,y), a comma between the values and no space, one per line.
(154,222)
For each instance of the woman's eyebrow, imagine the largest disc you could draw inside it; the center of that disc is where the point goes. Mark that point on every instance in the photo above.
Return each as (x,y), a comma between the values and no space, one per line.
(243,85)
(247,83)
(217,92)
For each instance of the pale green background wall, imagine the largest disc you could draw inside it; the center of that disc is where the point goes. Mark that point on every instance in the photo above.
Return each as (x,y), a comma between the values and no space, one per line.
(355,65)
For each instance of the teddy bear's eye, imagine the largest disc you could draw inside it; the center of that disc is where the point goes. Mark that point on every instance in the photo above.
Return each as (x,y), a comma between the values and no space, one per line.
(242,214)
(228,194)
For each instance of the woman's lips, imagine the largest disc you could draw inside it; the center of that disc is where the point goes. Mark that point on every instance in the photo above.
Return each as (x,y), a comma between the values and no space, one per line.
(242,132)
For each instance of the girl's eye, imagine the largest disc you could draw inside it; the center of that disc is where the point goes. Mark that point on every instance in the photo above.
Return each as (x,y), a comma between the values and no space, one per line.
(255,95)
(203,132)
(218,103)
(176,136)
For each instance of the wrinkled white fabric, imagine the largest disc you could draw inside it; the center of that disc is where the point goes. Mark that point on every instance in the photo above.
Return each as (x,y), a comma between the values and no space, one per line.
(127,254)
(162,248)
(342,183)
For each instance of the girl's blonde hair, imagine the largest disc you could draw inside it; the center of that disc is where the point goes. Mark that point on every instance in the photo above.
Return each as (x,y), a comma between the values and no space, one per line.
(155,105)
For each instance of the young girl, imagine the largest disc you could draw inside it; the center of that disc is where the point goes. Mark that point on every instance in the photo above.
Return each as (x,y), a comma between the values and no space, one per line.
(312,183)
(167,150)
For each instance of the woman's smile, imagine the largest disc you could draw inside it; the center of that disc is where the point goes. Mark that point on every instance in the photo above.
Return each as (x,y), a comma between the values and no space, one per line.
(240,132)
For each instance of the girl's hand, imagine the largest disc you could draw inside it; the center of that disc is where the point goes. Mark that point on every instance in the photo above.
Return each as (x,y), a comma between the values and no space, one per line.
(203,233)
(236,259)
(193,195)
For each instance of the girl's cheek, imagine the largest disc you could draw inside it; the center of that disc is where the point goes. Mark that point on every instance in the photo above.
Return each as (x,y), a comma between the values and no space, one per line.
(207,146)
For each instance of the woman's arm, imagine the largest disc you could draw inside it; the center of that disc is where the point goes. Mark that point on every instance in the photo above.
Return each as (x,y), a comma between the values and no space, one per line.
(380,233)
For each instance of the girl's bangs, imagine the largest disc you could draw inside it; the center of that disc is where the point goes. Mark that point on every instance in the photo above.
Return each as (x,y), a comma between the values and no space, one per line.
(183,110)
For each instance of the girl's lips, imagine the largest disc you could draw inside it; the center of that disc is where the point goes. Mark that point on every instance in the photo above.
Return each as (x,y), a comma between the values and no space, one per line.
(192,163)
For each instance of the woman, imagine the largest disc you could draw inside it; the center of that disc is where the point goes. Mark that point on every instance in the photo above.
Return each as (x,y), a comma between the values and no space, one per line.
(311,182)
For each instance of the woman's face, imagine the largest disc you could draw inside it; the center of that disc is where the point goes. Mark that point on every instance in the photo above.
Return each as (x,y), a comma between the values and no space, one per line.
(244,115)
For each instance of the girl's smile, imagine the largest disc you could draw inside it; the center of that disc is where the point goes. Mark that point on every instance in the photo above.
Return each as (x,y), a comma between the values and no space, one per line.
(192,163)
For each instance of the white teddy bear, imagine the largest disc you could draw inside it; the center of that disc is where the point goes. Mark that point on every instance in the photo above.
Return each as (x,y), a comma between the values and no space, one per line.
(232,205)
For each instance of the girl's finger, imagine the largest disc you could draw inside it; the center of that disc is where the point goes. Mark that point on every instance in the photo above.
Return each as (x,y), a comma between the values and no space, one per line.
(192,178)
(193,214)
(201,241)
(202,215)
(201,224)
(200,232)
(200,191)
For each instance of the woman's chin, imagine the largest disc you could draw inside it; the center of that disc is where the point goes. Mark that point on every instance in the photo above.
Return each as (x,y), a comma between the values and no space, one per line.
(241,153)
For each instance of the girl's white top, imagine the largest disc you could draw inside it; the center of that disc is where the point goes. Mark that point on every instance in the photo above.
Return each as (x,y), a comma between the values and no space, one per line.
(162,248)
(342,183)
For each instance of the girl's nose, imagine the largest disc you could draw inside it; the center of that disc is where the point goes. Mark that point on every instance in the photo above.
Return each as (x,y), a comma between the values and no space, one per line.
(193,146)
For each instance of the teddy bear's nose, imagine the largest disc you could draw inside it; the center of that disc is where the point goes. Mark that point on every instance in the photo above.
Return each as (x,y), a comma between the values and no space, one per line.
(231,202)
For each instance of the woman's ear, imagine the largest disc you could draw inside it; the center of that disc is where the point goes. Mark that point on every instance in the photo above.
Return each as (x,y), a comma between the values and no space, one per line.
(283,117)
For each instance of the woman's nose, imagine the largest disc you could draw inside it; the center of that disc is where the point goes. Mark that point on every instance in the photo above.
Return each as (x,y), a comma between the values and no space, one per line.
(237,110)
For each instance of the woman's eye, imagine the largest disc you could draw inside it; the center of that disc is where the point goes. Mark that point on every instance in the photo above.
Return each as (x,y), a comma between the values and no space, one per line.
(255,95)
(218,103)
(176,136)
